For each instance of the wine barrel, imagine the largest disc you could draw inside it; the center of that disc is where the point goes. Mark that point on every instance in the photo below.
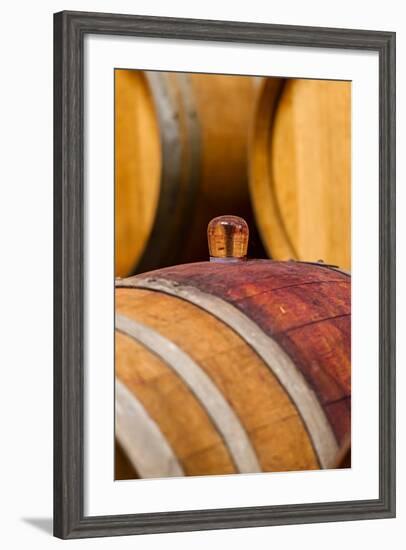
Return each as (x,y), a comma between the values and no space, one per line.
(181,143)
(123,467)
(225,367)
(300,169)
(343,459)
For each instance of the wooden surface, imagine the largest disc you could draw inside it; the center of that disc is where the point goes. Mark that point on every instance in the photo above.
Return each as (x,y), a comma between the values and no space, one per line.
(181,159)
(137,167)
(225,107)
(182,420)
(300,171)
(123,468)
(302,309)
(343,459)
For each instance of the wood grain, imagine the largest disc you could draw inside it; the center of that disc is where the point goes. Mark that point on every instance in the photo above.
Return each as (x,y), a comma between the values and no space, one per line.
(181,418)
(305,308)
(225,107)
(181,159)
(202,387)
(142,438)
(300,173)
(137,167)
(272,422)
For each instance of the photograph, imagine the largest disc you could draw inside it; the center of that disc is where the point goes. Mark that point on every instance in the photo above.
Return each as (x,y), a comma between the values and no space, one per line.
(200,219)
(232,265)
(224,274)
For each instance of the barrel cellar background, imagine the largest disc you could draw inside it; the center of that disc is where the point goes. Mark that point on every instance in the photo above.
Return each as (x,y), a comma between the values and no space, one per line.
(238,366)
(189,147)
(300,169)
(181,159)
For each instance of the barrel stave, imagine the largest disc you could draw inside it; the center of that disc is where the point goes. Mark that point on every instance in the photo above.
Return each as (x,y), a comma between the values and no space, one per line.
(237,371)
(300,169)
(181,159)
(303,308)
(182,420)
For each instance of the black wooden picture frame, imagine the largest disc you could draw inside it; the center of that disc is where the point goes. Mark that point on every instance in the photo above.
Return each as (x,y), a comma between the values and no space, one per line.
(69,31)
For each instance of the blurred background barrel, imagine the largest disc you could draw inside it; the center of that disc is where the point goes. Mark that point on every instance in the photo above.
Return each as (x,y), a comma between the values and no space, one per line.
(232,367)
(300,169)
(181,159)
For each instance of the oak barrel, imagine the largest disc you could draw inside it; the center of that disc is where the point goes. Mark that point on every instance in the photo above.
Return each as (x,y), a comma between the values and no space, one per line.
(300,169)
(233,367)
(181,143)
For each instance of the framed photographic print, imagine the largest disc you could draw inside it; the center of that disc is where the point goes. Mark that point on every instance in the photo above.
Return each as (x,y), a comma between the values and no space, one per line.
(224,274)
